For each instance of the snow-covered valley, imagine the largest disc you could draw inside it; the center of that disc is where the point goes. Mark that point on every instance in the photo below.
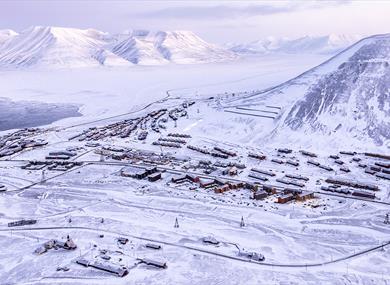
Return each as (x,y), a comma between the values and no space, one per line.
(191,164)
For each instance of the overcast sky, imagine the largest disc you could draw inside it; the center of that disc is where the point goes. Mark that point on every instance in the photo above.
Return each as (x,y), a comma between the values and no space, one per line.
(215,21)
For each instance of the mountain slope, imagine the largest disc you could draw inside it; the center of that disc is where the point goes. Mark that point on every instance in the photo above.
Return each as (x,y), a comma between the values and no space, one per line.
(184,47)
(52,46)
(330,44)
(139,51)
(345,100)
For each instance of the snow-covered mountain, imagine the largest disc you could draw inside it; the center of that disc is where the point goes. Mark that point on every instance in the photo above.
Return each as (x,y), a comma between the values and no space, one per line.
(68,47)
(345,99)
(53,46)
(160,47)
(330,44)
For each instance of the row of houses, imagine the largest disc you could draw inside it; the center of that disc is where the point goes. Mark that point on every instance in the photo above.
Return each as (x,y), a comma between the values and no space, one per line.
(351,183)
(11,148)
(338,190)
(51,165)
(290,194)
(123,129)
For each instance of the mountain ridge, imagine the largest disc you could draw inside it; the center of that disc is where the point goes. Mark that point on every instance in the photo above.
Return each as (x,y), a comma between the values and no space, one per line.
(70,47)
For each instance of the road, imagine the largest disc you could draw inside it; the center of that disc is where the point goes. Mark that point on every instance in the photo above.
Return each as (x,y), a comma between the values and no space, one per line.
(200,250)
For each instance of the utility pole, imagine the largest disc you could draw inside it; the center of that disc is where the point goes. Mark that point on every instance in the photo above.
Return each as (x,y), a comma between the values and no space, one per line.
(387,221)
(43,177)
(176,223)
(242,224)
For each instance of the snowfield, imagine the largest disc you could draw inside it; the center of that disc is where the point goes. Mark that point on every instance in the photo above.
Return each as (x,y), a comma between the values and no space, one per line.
(212,173)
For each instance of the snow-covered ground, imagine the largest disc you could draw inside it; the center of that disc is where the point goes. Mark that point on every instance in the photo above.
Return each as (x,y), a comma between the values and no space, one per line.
(331,239)
(103,92)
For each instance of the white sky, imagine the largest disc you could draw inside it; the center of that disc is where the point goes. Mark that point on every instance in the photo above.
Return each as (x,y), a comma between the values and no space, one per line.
(215,21)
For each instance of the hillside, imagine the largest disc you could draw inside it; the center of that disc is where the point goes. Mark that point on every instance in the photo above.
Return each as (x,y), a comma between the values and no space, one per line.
(344,101)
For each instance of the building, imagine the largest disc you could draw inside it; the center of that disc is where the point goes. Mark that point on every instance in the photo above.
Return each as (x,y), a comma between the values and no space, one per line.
(122,240)
(252,255)
(154,176)
(260,195)
(22,223)
(222,188)
(210,240)
(206,183)
(285,198)
(305,196)
(116,269)
(363,194)
(155,263)
(153,246)
(269,189)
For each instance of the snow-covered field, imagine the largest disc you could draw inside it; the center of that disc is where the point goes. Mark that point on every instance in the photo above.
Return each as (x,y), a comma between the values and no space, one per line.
(104,91)
(331,239)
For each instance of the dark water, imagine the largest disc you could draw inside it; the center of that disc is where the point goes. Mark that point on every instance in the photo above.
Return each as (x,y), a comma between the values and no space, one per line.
(25,114)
